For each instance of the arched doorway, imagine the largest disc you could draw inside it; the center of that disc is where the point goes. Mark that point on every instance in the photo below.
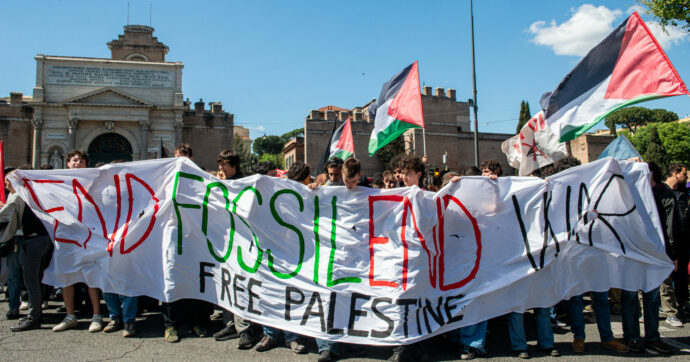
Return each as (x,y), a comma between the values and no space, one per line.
(109,147)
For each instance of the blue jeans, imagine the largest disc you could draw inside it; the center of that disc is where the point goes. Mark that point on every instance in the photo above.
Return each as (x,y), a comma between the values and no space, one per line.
(631,315)
(326,345)
(600,302)
(121,307)
(14,269)
(474,336)
(276,333)
(516,330)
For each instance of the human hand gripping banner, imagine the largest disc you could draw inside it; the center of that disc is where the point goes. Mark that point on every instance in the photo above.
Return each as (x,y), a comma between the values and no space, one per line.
(363,266)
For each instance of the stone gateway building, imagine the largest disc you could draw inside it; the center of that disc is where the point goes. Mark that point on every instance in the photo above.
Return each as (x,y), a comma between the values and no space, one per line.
(128,107)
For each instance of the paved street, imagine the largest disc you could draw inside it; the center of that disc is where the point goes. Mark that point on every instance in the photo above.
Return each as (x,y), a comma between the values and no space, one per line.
(79,345)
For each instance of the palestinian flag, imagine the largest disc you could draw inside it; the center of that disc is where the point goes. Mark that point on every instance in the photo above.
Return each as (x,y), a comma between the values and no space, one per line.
(627,67)
(342,143)
(398,108)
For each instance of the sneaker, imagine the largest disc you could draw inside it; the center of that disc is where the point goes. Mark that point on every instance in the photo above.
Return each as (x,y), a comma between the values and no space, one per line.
(171,335)
(96,324)
(44,305)
(69,322)
(326,356)
(553,352)
(26,324)
(229,332)
(297,347)
(521,354)
(578,345)
(659,346)
(468,353)
(555,323)
(129,330)
(24,306)
(113,326)
(200,331)
(398,356)
(673,321)
(615,345)
(266,344)
(247,341)
(636,346)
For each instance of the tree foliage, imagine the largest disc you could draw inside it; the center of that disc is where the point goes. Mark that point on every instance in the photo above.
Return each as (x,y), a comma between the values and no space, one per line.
(268,144)
(632,118)
(525,115)
(663,116)
(294,133)
(247,159)
(278,159)
(674,141)
(670,12)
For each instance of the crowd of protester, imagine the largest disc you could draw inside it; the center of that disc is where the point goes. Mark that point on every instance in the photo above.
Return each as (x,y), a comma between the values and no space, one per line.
(26,244)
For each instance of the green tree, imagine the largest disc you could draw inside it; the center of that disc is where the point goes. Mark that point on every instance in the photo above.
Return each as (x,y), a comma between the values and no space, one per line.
(247,159)
(675,139)
(278,159)
(663,116)
(294,133)
(670,12)
(268,144)
(629,117)
(655,150)
(525,115)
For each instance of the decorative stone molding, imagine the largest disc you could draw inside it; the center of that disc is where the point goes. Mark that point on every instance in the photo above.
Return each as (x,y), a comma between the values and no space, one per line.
(72,123)
(144,123)
(109,125)
(37,123)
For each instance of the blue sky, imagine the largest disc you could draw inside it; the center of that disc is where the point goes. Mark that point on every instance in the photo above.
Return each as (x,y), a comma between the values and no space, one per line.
(270,62)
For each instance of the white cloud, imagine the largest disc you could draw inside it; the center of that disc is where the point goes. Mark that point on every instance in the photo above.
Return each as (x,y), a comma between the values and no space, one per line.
(576,36)
(672,36)
(260,129)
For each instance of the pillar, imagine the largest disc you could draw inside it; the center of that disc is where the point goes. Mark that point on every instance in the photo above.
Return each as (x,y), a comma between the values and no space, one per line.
(144,146)
(36,150)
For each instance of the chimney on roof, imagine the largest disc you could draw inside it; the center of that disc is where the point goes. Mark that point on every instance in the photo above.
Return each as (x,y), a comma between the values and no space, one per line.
(314,115)
(427,90)
(199,106)
(217,108)
(330,115)
(358,116)
(440,92)
(451,94)
(16,97)
(343,116)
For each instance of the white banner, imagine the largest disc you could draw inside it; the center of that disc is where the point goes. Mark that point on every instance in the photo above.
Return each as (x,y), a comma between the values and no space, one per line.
(364,266)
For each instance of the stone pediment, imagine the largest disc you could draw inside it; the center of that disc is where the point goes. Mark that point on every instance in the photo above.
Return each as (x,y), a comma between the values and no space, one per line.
(108,96)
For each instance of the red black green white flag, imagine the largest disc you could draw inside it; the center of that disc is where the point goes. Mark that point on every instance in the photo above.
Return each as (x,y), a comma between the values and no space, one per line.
(398,108)
(627,67)
(342,143)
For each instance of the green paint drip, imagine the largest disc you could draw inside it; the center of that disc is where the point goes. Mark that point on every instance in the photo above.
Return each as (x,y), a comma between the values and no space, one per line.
(280,221)
(330,282)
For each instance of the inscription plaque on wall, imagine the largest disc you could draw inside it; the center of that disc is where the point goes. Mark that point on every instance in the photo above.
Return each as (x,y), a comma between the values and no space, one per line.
(113,77)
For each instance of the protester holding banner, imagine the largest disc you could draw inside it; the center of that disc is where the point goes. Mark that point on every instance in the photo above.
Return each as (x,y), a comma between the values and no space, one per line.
(650,299)
(79,159)
(34,256)
(676,179)
(669,212)
(197,312)
(300,172)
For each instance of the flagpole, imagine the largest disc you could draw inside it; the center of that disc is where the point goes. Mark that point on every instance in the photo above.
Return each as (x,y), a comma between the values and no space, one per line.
(424,139)
(474,92)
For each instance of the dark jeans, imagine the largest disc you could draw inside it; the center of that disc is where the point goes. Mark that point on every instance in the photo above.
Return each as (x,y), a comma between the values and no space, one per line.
(630,308)
(197,312)
(34,258)
(680,281)
(14,268)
